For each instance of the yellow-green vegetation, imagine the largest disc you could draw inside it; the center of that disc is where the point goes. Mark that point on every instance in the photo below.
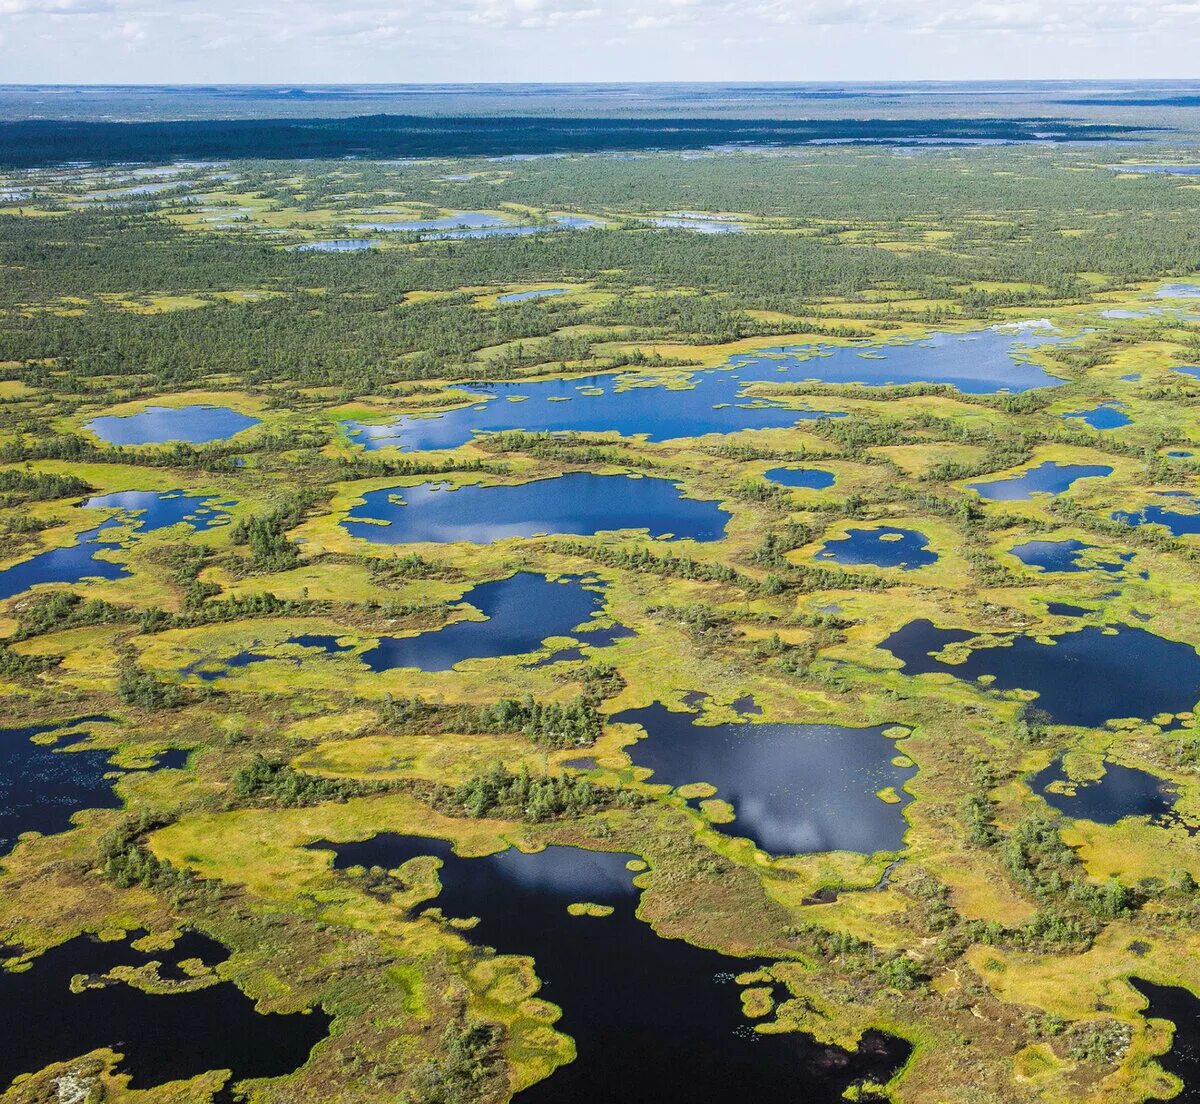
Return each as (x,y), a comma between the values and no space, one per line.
(999,938)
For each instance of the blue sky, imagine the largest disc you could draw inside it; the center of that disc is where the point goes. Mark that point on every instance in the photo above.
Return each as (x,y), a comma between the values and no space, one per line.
(271,41)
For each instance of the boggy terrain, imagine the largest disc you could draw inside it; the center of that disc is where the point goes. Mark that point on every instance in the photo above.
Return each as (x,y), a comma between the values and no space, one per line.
(747,665)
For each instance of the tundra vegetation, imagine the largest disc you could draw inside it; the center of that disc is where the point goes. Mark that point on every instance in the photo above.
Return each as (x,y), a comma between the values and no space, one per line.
(1002,941)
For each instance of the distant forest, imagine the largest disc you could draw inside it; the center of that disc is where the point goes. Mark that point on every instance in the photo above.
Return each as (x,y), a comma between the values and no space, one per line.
(32,143)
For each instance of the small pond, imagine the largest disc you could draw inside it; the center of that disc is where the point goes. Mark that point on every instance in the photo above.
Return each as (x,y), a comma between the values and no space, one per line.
(526,296)
(699,223)
(1049,477)
(652,1019)
(578,503)
(1108,415)
(1084,678)
(794,788)
(336,245)
(1119,793)
(1181,1007)
(886,546)
(163,1037)
(156,425)
(1179,291)
(811,479)
(1192,370)
(1066,555)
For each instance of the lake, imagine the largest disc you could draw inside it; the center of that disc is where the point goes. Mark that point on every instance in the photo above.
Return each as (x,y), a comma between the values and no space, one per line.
(977,362)
(626,403)
(1084,678)
(162,1037)
(526,296)
(156,425)
(885,546)
(1066,555)
(1181,1007)
(1109,415)
(1119,793)
(142,511)
(577,503)
(811,479)
(794,788)
(336,245)
(652,1019)
(1181,523)
(1049,477)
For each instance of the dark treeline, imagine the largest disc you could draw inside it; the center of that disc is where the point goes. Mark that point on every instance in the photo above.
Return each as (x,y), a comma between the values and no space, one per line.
(37,142)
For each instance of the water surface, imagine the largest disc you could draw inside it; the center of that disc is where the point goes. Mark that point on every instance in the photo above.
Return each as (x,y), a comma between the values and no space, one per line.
(159,424)
(1181,523)
(336,245)
(1084,678)
(886,546)
(162,1037)
(795,788)
(812,479)
(1049,477)
(1065,555)
(578,503)
(653,1019)
(976,362)
(1119,793)
(1182,1008)
(525,296)
(1108,415)
(1179,291)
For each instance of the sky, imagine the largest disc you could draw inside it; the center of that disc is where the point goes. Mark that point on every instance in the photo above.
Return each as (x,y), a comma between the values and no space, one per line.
(274,41)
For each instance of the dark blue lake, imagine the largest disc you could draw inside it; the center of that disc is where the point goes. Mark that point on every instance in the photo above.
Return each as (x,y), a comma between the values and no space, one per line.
(1121,792)
(159,424)
(1181,523)
(1180,454)
(1181,1007)
(1065,555)
(795,788)
(1049,477)
(812,479)
(521,612)
(1107,415)
(525,296)
(143,511)
(883,547)
(977,362)
(624,403)
(43,785)
(577,503)
(161,1037)
(1084,678)
(337,245)
(652,1019)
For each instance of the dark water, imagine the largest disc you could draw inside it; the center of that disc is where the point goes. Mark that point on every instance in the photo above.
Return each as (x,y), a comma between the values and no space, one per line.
(882,547)
(148,511)
(577,503)
(1107,415)
(337,245)
(160,424)
(143,511)
(1049,477)
(1085,678)
(812,479)
(1180,523)
(653,1019)
(525,296)
(203,668)
(1182,1008)
(521,612)
(713,403)
(1121,792)
(1065,555)
(977,362)
(43,785)
(164,1038)
(1065,609)
(795,789)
